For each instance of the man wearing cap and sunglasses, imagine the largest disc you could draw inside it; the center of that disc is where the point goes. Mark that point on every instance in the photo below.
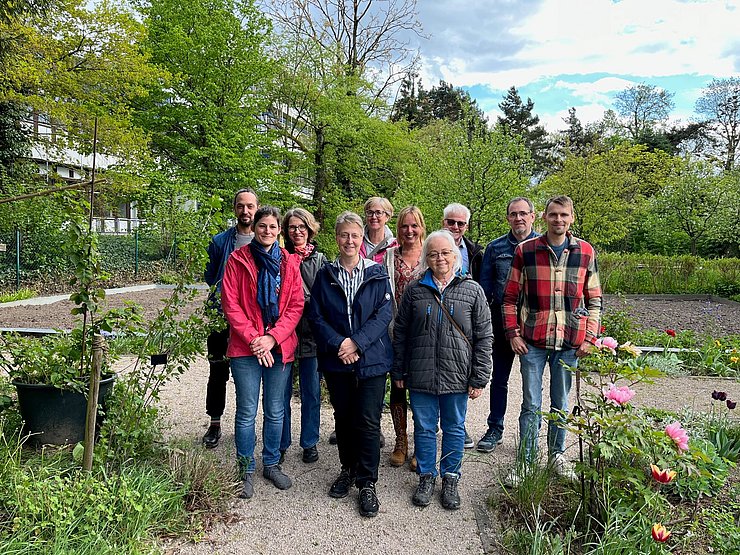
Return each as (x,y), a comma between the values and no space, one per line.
(455,219)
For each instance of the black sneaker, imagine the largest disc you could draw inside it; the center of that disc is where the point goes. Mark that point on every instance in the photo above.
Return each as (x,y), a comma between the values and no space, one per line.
(450,497)
(424,491)
(469,443)
(341,486)
(310,455)
(210,439)
(369,504)
(489,441)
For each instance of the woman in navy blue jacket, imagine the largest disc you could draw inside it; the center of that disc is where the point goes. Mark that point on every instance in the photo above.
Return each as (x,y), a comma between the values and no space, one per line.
(349,313)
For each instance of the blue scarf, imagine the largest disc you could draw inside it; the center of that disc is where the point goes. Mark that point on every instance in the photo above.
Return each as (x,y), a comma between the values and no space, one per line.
(268,280)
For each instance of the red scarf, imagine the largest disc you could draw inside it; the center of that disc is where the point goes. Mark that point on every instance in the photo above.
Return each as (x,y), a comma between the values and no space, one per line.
(304,251)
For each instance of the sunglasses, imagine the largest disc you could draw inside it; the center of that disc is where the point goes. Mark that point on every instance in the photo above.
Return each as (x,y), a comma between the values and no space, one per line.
(453,223)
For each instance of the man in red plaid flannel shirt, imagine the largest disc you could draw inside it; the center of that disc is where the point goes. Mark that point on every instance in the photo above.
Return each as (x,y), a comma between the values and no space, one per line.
(551,310)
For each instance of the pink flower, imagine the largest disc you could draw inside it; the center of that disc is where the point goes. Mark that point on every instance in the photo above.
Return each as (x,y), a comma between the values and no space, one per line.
(607,343)
(619,395)
(678,435)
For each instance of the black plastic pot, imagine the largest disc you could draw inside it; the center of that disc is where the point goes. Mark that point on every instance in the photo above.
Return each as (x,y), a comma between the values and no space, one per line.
(55,416)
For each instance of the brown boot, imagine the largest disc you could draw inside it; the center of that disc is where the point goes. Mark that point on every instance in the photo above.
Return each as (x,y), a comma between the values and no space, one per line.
(400,451)
(412,464)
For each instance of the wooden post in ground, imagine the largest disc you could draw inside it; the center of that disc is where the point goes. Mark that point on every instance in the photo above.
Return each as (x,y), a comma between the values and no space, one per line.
(98,343)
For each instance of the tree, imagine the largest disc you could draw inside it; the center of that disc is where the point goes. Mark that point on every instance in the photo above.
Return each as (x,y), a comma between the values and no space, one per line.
(720,104)
(693,197)
(203,120)
(643,107)
(482,171)
(520,121)
(609,190)
(367,38)
(420,107)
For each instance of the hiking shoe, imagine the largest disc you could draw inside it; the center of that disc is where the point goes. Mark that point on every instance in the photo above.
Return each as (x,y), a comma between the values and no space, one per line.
(369,504)
(450,497)
(424,491)
(310,455)
(489,441)
(333,437)
(210,439)
(247,487)
(563,467)
(341,486)
(275,474)
(469,443)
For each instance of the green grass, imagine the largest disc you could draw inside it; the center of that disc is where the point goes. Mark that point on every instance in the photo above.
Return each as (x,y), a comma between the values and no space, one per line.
(23,293)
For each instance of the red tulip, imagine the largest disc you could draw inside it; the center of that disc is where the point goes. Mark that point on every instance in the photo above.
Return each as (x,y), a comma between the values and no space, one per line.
(660,533)
(672,333)
(663,476)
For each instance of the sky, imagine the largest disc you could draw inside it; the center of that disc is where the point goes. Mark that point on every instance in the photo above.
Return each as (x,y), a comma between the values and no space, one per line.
(564,53)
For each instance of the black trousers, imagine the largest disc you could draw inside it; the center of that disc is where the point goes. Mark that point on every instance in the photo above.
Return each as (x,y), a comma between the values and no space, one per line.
(357,408)
(503,359)
(218,375)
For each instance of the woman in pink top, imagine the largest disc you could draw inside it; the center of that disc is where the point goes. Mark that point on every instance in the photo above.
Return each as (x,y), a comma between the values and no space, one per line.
(262,299)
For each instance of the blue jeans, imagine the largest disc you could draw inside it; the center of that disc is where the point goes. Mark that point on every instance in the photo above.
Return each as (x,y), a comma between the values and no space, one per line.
(449,411)
(309,384)
(530,417)
(503,359)
(248,374)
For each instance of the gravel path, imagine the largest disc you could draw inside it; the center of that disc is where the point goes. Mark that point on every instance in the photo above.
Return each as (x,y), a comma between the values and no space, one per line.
(304,520)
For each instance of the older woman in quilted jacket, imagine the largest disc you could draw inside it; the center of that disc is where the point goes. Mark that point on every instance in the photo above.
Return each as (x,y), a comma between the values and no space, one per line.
(442,354)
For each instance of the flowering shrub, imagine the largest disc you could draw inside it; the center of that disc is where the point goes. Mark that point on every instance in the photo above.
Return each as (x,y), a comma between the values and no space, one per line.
(678,435)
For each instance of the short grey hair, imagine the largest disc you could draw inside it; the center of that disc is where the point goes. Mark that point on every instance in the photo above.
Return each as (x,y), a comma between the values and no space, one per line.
(348,217)
(520,199)
(456,208)
(457,266)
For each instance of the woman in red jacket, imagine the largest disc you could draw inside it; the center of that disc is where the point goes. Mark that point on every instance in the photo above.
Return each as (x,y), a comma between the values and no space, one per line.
(262,299)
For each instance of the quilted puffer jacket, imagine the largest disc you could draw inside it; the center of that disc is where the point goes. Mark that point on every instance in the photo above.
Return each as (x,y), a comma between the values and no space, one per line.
(430,354)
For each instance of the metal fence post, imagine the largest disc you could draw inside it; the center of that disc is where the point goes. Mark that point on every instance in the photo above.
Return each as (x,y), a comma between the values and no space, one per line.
(17,259)
(136,254)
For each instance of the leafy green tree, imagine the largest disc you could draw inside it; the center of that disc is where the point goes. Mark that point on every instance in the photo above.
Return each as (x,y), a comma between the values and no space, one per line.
(480,170)
(694,196)
(519,120)
(720,105)
(609,190)
(203,120)
(643,107)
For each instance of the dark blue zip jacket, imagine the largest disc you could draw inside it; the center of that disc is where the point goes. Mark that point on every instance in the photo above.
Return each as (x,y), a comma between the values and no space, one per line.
(496,264)
(371,314)
(219,249)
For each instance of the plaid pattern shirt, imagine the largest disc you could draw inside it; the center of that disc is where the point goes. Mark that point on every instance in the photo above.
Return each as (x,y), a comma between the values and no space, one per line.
(560,299)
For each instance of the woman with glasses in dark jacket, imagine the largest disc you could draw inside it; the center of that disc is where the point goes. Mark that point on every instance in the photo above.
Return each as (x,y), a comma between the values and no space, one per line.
(442,354)
(299,230)
(349,313)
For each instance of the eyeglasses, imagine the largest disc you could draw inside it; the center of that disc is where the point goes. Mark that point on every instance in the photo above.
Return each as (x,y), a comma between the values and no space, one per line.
(453,223)
(522,214)
(375,213)
(441,254)
(354,236)
(299,227)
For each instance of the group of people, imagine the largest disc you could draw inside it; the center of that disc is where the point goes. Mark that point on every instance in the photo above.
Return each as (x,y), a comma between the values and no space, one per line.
(433,311)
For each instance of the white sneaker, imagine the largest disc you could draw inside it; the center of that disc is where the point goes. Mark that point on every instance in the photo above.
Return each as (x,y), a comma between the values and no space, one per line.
(513,477)
(563,467)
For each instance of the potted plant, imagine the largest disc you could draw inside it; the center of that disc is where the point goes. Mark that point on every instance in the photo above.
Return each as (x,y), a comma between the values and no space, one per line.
(52,374)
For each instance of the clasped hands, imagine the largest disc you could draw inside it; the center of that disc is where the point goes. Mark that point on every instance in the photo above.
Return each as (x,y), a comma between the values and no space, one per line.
(262,348)
(348,351)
